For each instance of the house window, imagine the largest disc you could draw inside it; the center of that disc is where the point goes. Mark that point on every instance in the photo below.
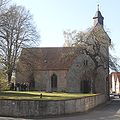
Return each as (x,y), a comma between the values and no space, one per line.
(54,82)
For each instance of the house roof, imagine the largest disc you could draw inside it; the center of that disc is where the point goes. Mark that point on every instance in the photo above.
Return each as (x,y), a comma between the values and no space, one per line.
(116,75)
(48,57)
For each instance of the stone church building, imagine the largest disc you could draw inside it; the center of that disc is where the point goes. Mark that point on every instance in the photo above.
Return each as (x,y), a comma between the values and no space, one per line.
(58,69)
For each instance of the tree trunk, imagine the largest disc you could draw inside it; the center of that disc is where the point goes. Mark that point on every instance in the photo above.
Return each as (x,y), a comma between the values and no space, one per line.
(9,77)
(93,88)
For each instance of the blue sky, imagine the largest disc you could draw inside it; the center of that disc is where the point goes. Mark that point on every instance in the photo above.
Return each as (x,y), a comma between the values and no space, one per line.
(52,17)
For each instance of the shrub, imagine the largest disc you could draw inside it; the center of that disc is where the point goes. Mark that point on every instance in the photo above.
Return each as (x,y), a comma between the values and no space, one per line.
(3,82)
(4,85)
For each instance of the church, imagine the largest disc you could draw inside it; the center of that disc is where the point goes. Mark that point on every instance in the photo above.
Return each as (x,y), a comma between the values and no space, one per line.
(51,69)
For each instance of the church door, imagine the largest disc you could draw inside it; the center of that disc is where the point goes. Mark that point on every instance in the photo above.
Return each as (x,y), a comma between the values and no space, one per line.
(54,82)
(85,86)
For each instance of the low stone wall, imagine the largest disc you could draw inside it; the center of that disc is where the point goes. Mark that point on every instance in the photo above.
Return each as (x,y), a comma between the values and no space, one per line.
(28,108)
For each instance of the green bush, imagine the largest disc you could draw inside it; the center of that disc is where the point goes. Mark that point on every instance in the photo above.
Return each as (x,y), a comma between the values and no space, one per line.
(3,82)
(4,85)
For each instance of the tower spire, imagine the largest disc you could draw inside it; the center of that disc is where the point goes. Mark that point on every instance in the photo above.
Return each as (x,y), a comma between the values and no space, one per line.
(98,7)
(98,18)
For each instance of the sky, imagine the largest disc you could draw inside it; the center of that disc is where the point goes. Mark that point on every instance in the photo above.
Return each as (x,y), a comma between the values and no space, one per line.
(52,17)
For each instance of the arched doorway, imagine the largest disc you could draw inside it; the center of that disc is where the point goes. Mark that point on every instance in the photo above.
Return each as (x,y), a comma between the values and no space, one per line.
(85,86)
(54,82)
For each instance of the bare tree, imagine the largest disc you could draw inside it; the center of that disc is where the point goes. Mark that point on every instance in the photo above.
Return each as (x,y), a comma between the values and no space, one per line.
(16,31)
(3,3)
(95,43)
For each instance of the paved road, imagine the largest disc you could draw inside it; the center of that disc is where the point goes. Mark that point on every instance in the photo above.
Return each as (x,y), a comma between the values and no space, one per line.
(109,111)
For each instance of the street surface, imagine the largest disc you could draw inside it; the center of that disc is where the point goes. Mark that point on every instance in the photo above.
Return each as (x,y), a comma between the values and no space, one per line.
(108,111)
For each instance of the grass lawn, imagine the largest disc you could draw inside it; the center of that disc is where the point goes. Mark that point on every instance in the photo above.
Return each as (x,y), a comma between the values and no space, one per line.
(31,95)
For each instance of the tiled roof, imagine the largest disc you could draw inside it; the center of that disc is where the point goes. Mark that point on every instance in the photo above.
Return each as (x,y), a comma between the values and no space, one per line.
(116,75)
(48,58)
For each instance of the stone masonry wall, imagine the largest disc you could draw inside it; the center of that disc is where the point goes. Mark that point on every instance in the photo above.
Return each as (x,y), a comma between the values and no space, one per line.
(39,108)
(43,79)
(78,72)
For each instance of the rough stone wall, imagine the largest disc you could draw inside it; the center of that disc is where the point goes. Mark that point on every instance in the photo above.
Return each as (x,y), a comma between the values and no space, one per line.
(78,72)
(100,81)
(39,108)
(103,72)
(43,79)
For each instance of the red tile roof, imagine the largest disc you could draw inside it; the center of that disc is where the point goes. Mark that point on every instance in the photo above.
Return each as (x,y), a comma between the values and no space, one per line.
(48,58)
(116,75)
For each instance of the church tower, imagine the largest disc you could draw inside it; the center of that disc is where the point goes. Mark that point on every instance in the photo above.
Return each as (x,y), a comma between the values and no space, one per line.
(98,18)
